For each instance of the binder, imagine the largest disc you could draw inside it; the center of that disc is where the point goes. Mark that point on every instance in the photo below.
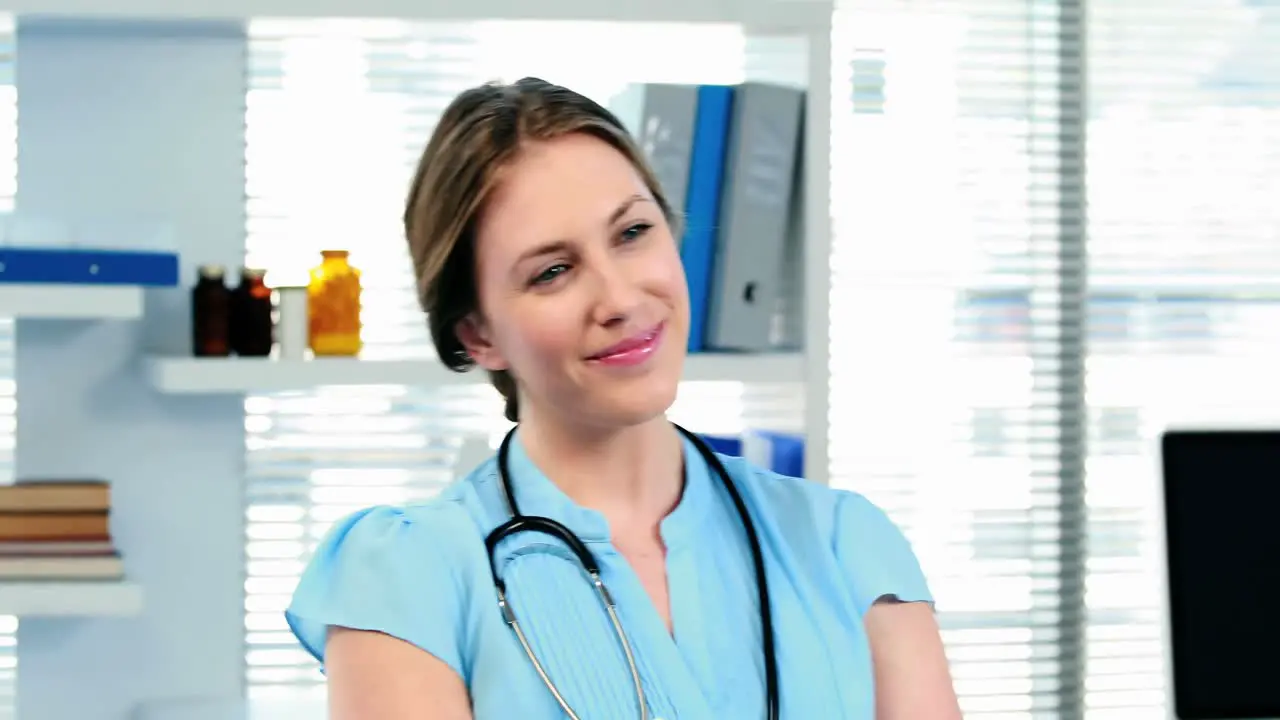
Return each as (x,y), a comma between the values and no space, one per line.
(760,168)
(667,119)
(724,444)
(627,105)
(86,266)
(703,203)
(789,330)
(780,452)
(683,130)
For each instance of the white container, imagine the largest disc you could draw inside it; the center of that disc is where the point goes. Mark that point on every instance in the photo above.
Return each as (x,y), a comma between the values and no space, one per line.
(292,325)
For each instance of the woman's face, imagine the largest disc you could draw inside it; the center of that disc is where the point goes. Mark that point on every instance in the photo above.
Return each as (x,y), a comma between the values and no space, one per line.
(582,293)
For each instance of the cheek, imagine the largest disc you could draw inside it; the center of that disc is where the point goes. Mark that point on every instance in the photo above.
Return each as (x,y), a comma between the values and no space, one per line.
(669,272)
(540,334)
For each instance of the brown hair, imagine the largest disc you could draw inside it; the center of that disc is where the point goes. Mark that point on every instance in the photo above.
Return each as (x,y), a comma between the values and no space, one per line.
(481,132)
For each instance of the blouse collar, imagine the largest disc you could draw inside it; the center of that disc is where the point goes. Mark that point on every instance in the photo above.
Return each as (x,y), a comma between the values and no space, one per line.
(536,494)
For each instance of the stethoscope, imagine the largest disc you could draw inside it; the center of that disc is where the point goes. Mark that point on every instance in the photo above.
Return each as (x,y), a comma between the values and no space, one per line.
(521,523)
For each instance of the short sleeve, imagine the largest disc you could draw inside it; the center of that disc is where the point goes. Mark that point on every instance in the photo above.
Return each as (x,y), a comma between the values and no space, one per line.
(875,555)
(381,569)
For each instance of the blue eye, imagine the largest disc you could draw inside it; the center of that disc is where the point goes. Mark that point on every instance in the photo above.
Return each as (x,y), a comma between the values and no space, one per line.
(549,274)
(635,232)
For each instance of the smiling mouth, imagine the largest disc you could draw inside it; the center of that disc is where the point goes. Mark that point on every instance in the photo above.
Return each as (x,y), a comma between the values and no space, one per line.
(632,351)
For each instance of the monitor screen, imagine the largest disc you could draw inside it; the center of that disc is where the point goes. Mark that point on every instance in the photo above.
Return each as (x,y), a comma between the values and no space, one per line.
(1222,530)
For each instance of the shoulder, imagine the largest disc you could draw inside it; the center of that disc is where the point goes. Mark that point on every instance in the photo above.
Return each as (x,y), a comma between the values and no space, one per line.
(406,571)
(872,553)
(391,532)
(795,503)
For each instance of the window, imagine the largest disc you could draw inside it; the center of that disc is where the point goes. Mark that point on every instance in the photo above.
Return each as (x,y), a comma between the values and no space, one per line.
(1006,409)
(8,408)
(337,114)
(1184,169)
(947,267)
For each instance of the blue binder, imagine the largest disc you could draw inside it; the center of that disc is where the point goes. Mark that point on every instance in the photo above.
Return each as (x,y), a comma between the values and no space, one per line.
(88,267)
(782,453)
(724,444)
(702,204)
(779,452)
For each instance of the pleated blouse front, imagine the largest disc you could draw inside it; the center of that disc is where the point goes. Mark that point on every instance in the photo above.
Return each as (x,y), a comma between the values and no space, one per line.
(420,573)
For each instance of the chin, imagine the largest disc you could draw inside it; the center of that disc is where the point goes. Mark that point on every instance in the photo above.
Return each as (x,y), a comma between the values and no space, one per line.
(650,407)
(633,404)
(633,397)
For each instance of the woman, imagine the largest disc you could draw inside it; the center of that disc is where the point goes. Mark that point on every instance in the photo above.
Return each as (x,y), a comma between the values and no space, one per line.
(545,254)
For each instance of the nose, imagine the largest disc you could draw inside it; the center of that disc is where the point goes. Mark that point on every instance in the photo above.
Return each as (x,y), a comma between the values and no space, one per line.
(617,293)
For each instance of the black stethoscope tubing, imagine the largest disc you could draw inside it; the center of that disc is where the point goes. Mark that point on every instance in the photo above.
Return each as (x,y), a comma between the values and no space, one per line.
(520,522)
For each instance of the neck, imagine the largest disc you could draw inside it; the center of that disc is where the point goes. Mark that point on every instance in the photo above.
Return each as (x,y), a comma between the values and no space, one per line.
(634,475)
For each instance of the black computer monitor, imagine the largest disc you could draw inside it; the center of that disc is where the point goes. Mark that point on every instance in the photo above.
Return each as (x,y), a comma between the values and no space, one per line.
(1222,534)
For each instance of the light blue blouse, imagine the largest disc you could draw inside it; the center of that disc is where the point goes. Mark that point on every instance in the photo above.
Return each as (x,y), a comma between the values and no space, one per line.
(420,573)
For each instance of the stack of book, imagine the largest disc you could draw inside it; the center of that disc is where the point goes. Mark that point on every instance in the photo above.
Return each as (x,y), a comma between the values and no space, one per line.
(57,530)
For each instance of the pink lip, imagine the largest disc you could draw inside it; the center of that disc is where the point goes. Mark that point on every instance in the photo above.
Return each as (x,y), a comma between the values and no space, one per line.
(632,351)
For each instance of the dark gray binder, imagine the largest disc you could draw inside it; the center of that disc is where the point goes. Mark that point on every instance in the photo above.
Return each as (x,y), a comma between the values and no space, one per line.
(788,331)
(755,216)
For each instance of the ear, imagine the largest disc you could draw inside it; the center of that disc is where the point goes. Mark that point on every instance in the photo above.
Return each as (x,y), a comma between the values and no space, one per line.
(475,338)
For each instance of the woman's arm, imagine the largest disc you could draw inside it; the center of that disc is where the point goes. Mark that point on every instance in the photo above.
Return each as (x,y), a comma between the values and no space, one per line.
(373,676)
(913,681)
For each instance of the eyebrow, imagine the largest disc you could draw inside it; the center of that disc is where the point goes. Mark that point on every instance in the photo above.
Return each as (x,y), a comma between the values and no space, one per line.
(556,246)
(624,206)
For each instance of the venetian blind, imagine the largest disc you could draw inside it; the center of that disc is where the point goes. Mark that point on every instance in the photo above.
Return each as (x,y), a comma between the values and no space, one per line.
(964,170)
(957,350)
(8,407)
(337,114)
(1184,273)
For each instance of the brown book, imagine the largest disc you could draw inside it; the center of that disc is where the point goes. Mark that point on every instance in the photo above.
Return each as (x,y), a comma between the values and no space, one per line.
(55,496)
(55,526)
(55,548)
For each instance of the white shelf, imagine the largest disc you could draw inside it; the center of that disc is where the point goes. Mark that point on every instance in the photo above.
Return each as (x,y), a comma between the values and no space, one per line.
(207,708)
(759,13)
(745,368)
(205,376)
(97,598)
(52,301)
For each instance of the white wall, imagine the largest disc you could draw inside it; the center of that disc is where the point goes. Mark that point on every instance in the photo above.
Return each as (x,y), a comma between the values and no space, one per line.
(135,125)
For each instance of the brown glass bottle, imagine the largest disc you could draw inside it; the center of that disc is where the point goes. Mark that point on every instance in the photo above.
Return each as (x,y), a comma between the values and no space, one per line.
(252,332)
(211,313)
